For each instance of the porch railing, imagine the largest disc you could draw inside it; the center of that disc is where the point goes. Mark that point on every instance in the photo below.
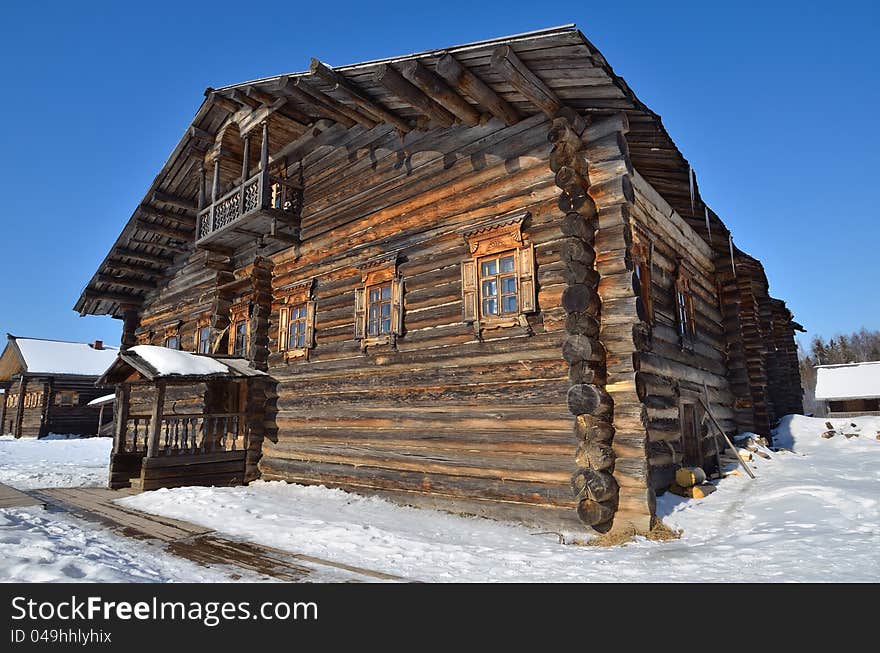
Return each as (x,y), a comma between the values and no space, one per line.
(187,434)
(260,192)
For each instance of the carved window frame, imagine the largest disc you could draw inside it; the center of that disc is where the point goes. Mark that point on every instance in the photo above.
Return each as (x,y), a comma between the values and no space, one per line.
(239,312)
(297,296)
(685,313)
(643,269)
(488,240)
(375,273)
(171,332)
(203,324)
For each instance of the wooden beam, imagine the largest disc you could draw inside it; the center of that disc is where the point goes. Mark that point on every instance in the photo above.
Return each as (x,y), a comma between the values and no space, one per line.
(132,267)
(438,90)
(169,232)
(359,98)
(169,247)
(122,298)
(464,81)
(146,211)
(323,104)
(412,95)
(161,197)
(507,64)
(237,95)
(142,256)
(128,282)
(222,102)
(200,134)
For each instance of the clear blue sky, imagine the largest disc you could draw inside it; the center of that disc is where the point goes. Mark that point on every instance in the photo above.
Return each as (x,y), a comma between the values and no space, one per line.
(773,103)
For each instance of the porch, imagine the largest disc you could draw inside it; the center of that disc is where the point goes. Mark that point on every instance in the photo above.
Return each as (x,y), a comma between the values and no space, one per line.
(187,422)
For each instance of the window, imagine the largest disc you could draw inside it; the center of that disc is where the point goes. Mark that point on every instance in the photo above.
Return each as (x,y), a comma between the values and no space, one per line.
(378,303)
(379,310)
(498,285)
(296,325)
(67,399)
(643,269)
(239,338)
(172,342)
(684,310)
(203,340)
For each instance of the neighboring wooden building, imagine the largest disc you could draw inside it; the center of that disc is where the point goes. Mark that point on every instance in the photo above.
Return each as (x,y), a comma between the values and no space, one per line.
(848,390)
(478,278)
(48,385)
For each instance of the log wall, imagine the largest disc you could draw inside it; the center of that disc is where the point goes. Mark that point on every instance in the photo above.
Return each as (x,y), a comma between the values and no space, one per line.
(45,415)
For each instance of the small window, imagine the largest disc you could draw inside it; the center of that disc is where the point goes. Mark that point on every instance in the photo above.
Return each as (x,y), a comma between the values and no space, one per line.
(498,285)
(296,330)
(203,340)
(684,311)
(240,335)
(643,270)
(379,310)
(172,342)
(67,399)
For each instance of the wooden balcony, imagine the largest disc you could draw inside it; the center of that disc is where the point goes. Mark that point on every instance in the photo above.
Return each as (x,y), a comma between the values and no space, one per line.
(264,206)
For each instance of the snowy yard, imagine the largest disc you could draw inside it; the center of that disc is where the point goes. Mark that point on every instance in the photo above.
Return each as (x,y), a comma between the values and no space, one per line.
(54,462)
(813,515)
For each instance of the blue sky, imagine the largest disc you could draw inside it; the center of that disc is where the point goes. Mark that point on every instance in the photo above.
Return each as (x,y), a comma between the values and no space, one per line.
(772,103)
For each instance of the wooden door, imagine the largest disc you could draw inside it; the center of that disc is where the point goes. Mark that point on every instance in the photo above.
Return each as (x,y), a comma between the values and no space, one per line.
(691,433)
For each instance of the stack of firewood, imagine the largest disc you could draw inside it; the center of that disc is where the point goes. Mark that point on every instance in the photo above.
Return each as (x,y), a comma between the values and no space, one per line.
(691,482)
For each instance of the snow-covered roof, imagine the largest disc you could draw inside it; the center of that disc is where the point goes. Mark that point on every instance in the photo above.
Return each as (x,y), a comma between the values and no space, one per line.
(154,362)
(59,357)
(100,401)
(849,381)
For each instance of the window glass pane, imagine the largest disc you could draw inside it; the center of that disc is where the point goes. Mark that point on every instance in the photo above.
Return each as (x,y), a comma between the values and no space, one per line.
(372,330)
(386,292)
(508,304)
(386,326)
(301,340)
(490,288)
(508,285)
(374,295)
(490,307)
(488,268)
(507,264)
(374,311)
(386,310)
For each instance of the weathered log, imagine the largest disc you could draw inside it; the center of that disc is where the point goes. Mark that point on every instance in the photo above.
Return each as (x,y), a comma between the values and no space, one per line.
(594,455)
(580,298)
(560,158)
(562,135)
(573,199)
(388,77)
(578,348)
(507,64)
(592,484)
(574,249)
(586,399)
(593,513)
(464,81)
(580,226)
(435,88)
(584,372)
(569,180)
(580,273)
(583,324)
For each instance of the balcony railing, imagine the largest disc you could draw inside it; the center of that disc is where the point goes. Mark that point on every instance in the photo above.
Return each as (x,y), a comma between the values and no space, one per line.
(261,195)
(187,434)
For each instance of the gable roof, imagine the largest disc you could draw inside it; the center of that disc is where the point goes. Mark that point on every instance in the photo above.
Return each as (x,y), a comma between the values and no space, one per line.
(39,357)
(848,381)
(561,57)
(152,362)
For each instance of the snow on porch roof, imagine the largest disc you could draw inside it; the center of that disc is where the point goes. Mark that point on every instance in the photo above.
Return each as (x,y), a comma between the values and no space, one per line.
(103,401)
(848,381)
(154,362)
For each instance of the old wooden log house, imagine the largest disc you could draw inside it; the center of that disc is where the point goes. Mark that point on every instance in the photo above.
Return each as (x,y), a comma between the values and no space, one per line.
(481,278)
(48,385)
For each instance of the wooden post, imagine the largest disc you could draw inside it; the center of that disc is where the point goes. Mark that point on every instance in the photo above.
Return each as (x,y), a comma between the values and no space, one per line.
(215,189)
(202,190)
(100,418)
(264,165)
(245,170)
(156,420)
(120,415)
(19,411)
(45,408)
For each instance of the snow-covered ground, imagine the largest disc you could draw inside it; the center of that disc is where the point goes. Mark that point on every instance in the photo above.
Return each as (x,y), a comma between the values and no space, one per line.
(54,462)
(811,515)
(39,546)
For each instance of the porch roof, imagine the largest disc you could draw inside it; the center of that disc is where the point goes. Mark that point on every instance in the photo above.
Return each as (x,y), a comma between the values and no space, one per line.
(152,363)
